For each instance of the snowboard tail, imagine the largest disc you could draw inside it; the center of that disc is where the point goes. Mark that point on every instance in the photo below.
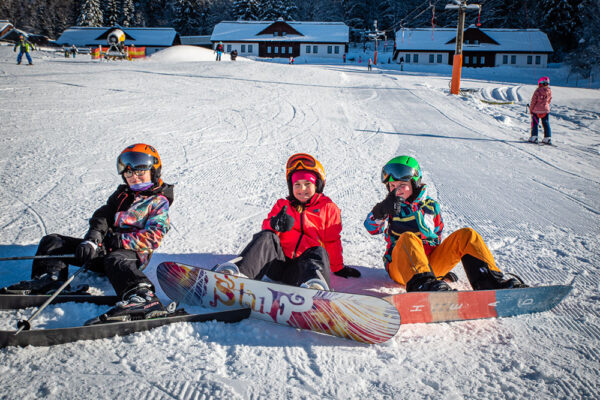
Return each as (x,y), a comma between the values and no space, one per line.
(51,337)
(424,307)
(357,317)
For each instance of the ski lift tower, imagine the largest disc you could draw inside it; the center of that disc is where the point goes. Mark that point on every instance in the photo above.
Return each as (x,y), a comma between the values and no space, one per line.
(462,8)
(374,36)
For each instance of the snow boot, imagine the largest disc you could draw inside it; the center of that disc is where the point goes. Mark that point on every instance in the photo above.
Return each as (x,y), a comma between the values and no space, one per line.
(533,139)
(44,284)
(426,282)
(482,277)
(138,303)
(547,140)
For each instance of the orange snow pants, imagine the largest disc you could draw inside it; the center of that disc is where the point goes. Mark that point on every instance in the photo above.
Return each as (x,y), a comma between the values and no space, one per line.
(409,258)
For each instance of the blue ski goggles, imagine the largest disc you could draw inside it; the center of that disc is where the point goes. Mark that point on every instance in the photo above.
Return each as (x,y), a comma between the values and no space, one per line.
(398,172)
(135,161)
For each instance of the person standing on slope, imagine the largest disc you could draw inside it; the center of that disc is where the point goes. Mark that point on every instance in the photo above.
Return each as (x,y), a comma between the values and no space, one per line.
(300,242)
(539,107)
(24,46)
(121,238)
(219,50)
(412,223)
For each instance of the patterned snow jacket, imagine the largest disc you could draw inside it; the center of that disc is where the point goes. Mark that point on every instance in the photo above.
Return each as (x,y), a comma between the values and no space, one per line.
(139,219)
(422,215)
(318,224)
(540,101)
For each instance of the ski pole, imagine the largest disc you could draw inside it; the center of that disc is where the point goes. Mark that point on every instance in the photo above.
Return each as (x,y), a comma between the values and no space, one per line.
(26,325)
(42,257)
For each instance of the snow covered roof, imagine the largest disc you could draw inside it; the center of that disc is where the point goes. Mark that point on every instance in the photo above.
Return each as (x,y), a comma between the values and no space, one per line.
(443,39)
(5,26)
(310,32)
(90,36)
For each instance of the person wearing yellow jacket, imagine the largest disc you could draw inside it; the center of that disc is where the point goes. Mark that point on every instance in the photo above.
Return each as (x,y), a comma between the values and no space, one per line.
(24,46)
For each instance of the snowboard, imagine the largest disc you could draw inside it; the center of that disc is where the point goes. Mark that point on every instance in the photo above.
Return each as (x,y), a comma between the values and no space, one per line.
(17,301)
(50,337)
(360,318)
(423,307)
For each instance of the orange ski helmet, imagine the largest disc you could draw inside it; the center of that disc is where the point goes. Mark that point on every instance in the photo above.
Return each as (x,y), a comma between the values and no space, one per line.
(303,161)
(140,156)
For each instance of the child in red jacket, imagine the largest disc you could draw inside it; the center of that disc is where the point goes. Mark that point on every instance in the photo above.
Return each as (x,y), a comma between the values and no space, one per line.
(300,241)
(540,110)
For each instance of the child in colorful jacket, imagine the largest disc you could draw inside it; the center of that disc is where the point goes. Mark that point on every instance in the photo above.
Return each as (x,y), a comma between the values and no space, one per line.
(412,223)
(300,242)
(540,110)
(121,238)
(24,46)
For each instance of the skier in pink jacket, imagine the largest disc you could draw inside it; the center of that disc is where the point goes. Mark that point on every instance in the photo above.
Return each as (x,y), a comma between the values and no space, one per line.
(540,110)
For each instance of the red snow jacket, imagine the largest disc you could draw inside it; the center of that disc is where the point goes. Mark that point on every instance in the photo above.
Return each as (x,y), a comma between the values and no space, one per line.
(540,101)
(318,224)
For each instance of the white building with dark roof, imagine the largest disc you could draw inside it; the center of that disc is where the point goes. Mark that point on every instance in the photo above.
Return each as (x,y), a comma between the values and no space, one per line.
(481,47)
(282,39)
(153,39)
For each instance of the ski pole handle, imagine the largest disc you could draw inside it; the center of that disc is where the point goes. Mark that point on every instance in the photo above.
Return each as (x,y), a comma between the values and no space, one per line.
(42,257)
(26,325)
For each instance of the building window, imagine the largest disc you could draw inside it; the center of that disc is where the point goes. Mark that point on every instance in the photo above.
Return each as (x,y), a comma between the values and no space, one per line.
(308,49)
(538,59)
(482,60)
(268,49)
(275,49)
(228,48)
(466,60)
(315,49)
(336,49)
(477,42)
(513,59)
(274,33)
(249,48)
(408,58)
(416,58)
(439,58)
(329,49)
(290,50)
(529,60)
(243,48)
(283,33)
(431,59)
(505,59)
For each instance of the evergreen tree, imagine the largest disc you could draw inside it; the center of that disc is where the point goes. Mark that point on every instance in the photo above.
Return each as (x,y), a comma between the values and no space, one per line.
(562,22)
(245,10)
(187,17)
(111,13)
(127,13)
(91,14)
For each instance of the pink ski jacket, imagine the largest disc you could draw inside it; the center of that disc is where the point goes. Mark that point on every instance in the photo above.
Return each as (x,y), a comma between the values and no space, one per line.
(540,101)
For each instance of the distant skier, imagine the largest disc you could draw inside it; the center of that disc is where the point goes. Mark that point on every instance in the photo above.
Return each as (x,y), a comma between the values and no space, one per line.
(24,46)
(233,55)
(539,107)
(74,51)
(416,256)
(121,238)
(300,242)
(219,50)
(369,64)
(291,60)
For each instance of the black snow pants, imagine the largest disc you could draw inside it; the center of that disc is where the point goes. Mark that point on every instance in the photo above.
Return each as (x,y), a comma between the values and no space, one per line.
(120,266)
(264,256)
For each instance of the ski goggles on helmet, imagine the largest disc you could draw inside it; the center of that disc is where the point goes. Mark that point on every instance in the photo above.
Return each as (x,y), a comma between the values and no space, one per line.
(398,172)
(300,161)
(135,161)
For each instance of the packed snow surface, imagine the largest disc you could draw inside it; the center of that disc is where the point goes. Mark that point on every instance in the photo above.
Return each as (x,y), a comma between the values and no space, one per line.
(224,131)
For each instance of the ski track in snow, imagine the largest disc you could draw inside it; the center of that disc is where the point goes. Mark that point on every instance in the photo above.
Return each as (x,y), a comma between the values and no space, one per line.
(224,131)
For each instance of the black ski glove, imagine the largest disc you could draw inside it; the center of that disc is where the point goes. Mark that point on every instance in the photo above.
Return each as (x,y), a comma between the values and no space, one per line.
(348,272)
(86,251)
(113,242)
(282,222)
(389,206)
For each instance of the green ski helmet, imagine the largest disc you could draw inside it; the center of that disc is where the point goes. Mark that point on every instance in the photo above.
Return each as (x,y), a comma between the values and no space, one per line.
(402,168)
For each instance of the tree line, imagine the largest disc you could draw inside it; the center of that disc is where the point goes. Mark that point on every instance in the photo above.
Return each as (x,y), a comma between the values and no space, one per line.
(573,26)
